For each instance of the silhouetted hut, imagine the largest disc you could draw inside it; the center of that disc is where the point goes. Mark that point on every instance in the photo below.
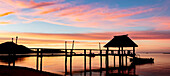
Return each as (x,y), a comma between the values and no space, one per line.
(120,42)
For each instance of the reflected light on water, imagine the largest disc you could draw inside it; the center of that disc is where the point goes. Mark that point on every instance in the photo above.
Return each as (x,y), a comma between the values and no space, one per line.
(57,64)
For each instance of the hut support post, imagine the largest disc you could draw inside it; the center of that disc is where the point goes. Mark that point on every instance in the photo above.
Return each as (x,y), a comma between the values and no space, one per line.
(134,51)
(134,70)
(119,60)
(107,61)
(119,57)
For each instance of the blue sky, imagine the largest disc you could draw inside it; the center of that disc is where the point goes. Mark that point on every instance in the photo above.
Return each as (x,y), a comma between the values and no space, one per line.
(27,19)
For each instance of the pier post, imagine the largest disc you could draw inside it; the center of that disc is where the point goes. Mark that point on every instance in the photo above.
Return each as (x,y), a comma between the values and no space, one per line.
(126,60)
(119,60)
(37,59)
(134,70)
(16,39)
(122,57)
(90,63)
(114,61)
(14,56)
(107,61)
(119,57)
(100,59)
(128,71)
(65,58)
(100,62)
(65,62)
(125,56)
(84,62)
(71,62)
(41,61)
(9,59)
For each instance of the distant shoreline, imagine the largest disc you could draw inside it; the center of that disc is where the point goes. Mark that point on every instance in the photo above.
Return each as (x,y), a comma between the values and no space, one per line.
(155,52)
(166,53)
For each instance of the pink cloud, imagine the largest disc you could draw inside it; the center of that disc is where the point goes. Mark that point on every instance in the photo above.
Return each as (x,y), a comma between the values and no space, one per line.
(87,15)
(41,4)
(122,14)
(90,36)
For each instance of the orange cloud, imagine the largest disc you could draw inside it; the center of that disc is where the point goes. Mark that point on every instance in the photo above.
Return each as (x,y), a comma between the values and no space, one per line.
(7,13)
(5,22)
(146,39)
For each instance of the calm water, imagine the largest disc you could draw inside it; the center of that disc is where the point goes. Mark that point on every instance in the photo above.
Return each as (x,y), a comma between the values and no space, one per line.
(160,67)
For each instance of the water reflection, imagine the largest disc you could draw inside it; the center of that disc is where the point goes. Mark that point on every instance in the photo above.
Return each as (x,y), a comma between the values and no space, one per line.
(121,70)
(88,70)
(116,71)
(11,59)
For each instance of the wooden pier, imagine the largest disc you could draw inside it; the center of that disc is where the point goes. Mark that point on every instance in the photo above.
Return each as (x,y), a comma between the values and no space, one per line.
(118,42)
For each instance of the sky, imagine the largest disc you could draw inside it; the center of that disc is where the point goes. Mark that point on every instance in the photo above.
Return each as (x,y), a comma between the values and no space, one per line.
(49,23)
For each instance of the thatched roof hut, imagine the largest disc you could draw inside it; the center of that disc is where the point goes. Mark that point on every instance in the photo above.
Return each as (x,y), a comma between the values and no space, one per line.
(121,41)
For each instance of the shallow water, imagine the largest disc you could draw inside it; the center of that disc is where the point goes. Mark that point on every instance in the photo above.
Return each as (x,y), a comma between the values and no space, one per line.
(56,64)
(161,66)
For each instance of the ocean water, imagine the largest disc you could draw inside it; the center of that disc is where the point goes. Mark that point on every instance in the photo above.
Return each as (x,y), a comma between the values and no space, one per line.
(56,64)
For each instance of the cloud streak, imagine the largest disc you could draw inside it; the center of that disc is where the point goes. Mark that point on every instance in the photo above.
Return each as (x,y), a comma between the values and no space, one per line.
(5,23)
(5,14)
(85,15)
(65,13)
(91,36)
(87,40)
(41,4)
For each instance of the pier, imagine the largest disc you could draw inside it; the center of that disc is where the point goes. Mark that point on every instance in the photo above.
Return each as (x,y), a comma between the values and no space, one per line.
(118,42)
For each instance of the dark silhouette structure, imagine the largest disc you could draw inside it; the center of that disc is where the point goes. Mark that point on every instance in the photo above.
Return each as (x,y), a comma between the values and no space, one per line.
(120,42)
(117,42)
(16,39)
(10,47)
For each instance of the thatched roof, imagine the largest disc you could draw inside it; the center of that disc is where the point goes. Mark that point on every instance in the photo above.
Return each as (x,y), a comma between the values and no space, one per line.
(121,41)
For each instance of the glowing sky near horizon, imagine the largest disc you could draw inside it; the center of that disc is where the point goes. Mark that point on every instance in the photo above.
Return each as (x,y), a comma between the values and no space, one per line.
(44,23)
